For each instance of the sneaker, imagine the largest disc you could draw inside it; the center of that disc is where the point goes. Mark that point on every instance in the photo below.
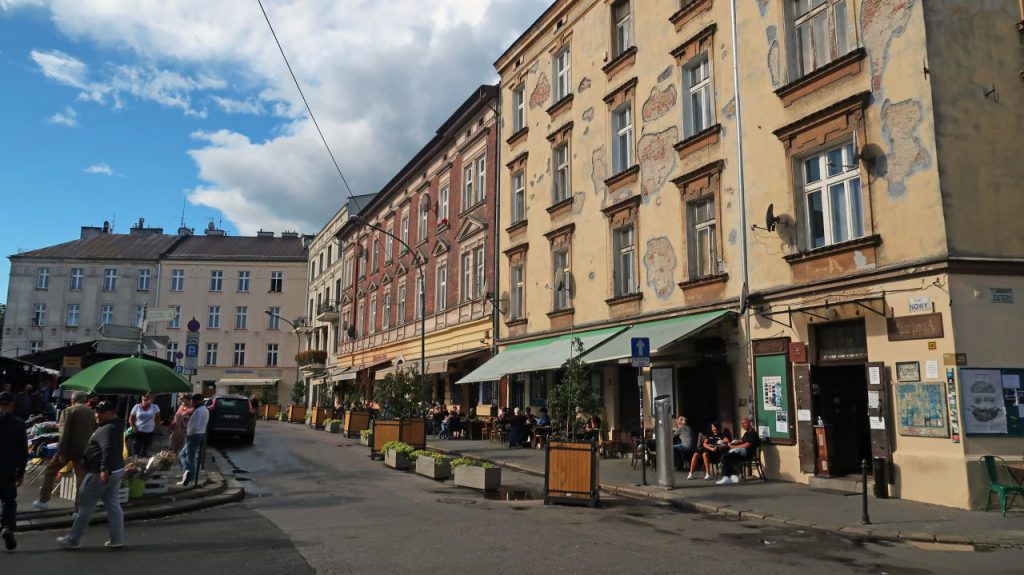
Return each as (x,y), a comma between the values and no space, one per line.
(724,481)
(9,540)
(707,476)
(112,545)
(735,479)
(41,505)
(690,476)
(67,543)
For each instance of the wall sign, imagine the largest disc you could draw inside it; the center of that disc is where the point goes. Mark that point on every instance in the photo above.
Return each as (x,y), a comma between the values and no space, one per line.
(908,371)
(922,409)
(1001,295)
(924,326)
(919,304)
(993,402)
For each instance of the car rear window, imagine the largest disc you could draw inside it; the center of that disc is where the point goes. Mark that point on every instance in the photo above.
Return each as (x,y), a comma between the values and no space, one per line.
(227,403)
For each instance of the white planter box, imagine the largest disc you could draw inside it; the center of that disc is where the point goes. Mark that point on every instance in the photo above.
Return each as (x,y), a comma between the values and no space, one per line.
(396,460)
(429,467)
(364,441)
(482,478)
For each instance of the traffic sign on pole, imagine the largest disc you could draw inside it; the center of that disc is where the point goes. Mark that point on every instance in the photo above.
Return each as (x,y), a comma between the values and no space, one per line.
(640,351)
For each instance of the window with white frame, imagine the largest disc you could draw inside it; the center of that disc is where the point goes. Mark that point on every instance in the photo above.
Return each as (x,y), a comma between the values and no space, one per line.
(241,317)
(702,238)
(360,320)
(239,358)
(243,281)
(211,353)
(176,321)
(216,280)
(481,178)
(622,20)
(698,106)
(213,317)
(320,265)
(274,319)
(74,313)
(404,234)
(385,320)
(272,349)
(624,265)
(478,285)
(400,315)
(419,296)
(277,282)
(389,244)
(821,31)
(560,263)
(518,197)
(77,274)
(35,346)
(517,293)
(519,107)
(443,199)
(622,138)
(106,314)
(39,314)
(562,75)
(140,313)
(376,254)
(466,289)
(832,196)
(560,183)
(110,279)
(143,283)
(467,186)
(43,278)
(373,313)
(421,233)
(172,352)
(441,294)
(177,280)
(363,261)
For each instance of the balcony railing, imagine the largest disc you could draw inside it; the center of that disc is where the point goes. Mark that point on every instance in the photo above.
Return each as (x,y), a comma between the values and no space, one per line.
(327,312)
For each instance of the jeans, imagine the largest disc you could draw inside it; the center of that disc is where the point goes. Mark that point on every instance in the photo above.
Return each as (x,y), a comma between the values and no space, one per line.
(50,476)
(188,455)
(729,460)
(141,443)
(91,491)
(8,503)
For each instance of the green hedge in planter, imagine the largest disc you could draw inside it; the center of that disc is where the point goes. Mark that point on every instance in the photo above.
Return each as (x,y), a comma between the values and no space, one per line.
(459,462)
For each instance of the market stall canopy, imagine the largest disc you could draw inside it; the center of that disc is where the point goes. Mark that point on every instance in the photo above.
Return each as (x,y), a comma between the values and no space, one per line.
(127,376)
(540,355)
(662,334)
(435,364)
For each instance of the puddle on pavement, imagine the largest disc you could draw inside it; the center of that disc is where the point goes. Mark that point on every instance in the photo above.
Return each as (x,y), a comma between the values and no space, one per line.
(504,494)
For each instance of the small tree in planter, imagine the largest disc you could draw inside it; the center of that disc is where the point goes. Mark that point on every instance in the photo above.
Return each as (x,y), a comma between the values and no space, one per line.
(573,397)
(432,464)
(476,474)
(399,394)
(397,455)
(364,436)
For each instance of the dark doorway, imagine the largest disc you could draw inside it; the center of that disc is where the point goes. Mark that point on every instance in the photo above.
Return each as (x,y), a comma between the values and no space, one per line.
(517,391)
(697,390)
(629,401)
(839,396)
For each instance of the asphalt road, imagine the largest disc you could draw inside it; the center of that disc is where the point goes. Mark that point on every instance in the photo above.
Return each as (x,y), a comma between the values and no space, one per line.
(316,503)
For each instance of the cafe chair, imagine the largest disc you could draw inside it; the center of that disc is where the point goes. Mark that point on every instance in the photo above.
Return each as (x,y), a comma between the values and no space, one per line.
(753,464)
(990,463)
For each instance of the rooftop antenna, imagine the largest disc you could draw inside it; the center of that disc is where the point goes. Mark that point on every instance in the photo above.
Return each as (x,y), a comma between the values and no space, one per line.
(184,200)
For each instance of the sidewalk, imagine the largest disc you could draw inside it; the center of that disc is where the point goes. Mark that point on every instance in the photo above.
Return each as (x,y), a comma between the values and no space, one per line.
(780,502)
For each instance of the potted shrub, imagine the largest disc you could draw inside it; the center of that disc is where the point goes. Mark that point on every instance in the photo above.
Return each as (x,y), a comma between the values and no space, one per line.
(364,437)
(432,464)
(476,474)
(397,455)
(281,416)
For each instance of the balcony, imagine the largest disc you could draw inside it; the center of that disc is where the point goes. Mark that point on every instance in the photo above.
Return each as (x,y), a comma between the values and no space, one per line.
(311,361)
(327,312)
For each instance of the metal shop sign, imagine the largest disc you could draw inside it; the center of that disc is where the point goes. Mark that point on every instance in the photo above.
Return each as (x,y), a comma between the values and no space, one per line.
(924,326)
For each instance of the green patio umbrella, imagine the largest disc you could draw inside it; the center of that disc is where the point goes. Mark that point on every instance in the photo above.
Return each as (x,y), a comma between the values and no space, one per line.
(127,376)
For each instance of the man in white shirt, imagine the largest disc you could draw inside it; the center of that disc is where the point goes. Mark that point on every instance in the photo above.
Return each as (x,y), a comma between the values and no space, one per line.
(195,437)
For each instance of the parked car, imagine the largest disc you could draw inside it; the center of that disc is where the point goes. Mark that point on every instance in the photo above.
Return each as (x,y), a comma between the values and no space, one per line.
(231,415)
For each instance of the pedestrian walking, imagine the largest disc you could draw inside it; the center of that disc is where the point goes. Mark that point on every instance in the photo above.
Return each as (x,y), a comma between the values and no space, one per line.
(180,422)
(195,436)
(143,419)
(77,424)
(13,460)
(104,468)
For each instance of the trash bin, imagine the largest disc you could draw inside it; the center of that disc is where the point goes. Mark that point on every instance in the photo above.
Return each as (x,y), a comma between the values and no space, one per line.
(879,466)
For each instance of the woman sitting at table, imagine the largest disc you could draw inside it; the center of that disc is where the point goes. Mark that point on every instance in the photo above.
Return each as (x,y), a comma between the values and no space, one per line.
(710,450)
(544,420)
(592,429)
(682,438)
(517,430)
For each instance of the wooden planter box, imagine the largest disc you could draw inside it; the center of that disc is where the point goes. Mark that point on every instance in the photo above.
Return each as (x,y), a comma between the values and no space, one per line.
(268,411)
(319,415)
(410,431)
(356,421)
(396,460)
(296,414)
(429,467)
(482,478)
(414,432)
(571,473)
(334,427)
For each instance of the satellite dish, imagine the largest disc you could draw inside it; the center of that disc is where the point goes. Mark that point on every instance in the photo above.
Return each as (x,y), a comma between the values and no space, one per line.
(502,303)
(770,219)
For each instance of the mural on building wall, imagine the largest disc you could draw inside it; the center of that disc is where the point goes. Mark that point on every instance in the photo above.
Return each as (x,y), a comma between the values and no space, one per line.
(774,58)
(599,173)
(900,124)
(881,21)
(584,85)
(660,264)
(659,103)
(541,91)
(762,5)
(657,159)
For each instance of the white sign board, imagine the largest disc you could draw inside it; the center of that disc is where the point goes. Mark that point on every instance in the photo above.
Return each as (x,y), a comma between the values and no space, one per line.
(160,315)
(919,303)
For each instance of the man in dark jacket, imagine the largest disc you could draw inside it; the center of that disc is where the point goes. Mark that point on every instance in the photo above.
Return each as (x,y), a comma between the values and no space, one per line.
(13,459)
(104,467)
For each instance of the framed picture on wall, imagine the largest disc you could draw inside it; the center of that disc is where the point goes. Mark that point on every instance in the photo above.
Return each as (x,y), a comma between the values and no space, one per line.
(909,371)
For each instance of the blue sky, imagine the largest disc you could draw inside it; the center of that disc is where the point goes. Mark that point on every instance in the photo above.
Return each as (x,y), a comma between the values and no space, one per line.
(131,108)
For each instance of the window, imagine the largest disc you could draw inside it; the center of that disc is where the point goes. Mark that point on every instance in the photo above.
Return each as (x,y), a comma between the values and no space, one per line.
(622,139)
(481,178)
(698,109)
(320,266)
(467,187)
(405,232)
(516,298)
(74,311)
(274,319)
(832,196)
(421,233)
(211,354)
(143,280)
(43,278)
(35,346)
(376,255)
(373,313)
(419,296)
(442,287)
(140,313)
(213,318)
(276,282)
(39,314)
(329,253)
(216,280)
(560,262)
(386,315)
(106,314)
(312,271)
(389,246)
(400,319)
(518,197)
(241,317)
(821,33)
(622,19)
(480,267)
(625,261)
(701,238)
(172,351)
(519,108)
(239,358)
(560,184)
(177,280)
(243,281)
(360,328)
(272,354)
(562,75)
(466,289)
(176,322)
(76,279)
(363,261)
(110,279)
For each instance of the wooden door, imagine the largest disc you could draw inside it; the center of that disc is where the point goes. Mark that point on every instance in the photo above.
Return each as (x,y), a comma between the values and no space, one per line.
(805,425)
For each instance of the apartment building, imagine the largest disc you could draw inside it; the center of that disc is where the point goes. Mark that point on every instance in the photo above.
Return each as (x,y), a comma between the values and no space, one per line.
(824,249)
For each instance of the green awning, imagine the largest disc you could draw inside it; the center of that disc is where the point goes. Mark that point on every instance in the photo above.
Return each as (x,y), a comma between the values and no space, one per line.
(662,333)
(540,355)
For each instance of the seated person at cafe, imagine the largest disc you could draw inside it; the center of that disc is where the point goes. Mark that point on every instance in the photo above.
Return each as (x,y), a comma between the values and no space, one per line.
(682,439)
(739,451)
(517,429)
(544,420)
(709,451)
(592,429)
(530,417)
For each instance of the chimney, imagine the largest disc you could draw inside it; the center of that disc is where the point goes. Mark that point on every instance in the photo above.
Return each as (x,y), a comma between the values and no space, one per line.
(263,234)
(289,234)
(211,230)
(95,231)
(183,231)
(140,229)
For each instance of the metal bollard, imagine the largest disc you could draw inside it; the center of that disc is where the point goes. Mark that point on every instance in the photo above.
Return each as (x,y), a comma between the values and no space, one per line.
(864,519)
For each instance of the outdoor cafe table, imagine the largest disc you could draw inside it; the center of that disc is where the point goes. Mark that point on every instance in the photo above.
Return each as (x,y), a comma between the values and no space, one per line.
(1016,470)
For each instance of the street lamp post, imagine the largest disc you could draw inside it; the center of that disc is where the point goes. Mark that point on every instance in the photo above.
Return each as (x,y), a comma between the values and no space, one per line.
(298,338)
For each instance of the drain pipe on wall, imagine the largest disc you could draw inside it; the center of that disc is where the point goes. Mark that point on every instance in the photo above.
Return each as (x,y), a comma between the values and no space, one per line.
(496,264)
(744,264)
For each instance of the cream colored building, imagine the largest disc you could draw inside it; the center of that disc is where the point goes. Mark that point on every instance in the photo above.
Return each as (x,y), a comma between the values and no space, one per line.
(866,246)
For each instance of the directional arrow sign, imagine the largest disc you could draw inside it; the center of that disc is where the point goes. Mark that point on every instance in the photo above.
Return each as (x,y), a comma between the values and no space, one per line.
(160,315)
(153,340)
(120,332)
(640,351)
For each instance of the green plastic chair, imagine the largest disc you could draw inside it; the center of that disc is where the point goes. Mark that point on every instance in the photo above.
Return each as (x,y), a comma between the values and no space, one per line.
(995,485)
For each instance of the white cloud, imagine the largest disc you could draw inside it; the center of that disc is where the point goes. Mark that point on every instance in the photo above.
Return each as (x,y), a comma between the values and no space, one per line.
(69,117)
(103,169)
(232,106)
(61,67)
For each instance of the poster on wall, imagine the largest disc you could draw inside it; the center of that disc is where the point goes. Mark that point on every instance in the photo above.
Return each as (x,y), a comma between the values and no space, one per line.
(771,389)
(984,408)
(921,409)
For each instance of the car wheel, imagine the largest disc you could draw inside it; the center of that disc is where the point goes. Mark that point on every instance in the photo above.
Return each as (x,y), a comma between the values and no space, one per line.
(249,438)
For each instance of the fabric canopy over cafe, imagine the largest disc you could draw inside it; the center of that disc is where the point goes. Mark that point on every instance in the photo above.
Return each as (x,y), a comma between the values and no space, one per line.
(662,333)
